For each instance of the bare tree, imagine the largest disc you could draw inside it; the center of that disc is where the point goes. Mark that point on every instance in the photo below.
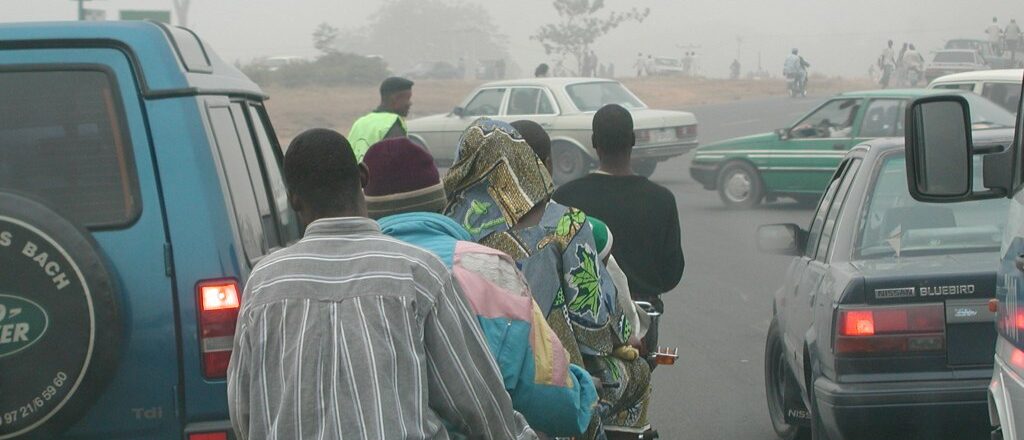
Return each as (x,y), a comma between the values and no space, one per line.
(181,10)
(580,26)
(325,38)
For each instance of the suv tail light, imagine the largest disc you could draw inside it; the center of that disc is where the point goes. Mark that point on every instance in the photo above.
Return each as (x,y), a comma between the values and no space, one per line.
(891,329)
(218,311)
(685,131)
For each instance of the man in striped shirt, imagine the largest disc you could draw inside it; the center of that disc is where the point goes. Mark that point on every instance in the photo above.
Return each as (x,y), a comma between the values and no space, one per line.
(352,334)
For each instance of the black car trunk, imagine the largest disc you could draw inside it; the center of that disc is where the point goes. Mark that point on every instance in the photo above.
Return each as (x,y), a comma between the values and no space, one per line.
(963,284)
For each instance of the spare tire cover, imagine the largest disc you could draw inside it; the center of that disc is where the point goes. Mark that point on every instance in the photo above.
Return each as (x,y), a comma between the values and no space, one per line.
(59,326)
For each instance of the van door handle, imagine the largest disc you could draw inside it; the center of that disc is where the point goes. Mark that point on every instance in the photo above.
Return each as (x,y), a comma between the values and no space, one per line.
(1019,262)
(838,146)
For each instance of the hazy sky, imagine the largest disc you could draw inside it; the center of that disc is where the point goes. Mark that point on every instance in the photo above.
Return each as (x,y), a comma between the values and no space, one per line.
(838,37)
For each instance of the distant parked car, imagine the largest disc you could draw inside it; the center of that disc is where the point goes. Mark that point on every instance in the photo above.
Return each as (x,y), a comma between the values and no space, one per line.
(984,48)
(434,70)
(667,66)
(565,107)
(999,86)
(274,63)
(949,61)
(797,161)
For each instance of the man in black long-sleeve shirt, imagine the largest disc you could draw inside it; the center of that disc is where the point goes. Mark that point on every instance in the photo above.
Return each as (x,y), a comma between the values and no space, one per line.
(640,213)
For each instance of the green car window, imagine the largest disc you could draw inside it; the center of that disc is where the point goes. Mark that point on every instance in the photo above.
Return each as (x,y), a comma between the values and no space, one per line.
(832,120)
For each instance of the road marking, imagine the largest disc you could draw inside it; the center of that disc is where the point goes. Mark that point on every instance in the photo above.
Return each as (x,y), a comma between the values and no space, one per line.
(743,122)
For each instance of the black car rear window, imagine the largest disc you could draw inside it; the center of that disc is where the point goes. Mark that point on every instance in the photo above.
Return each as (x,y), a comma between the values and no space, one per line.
(63,140)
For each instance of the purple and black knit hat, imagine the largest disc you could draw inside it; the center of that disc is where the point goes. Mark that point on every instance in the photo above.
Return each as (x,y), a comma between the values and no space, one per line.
(403,178)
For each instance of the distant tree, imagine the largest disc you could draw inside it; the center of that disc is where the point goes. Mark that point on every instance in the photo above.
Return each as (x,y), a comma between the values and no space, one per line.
(181,10)
(580,26)
(325,38)
(405,32)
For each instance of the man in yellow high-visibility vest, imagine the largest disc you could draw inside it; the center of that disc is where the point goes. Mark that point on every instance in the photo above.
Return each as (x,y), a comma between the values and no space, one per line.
(387,121)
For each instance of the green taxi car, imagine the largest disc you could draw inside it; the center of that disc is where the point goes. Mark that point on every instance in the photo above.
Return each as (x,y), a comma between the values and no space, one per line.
(797,161)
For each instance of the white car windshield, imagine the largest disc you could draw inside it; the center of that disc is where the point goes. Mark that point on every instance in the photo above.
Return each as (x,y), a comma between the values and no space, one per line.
(986,114)
(589,97)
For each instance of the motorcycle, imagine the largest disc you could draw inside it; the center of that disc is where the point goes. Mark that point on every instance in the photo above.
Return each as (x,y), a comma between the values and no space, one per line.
(913,76)
(654,355)
(797,85)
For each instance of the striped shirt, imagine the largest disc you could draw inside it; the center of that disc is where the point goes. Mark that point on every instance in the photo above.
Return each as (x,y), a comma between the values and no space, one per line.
(350,334)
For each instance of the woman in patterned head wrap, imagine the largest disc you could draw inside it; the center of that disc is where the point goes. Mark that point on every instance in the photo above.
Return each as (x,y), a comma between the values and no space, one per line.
(499,191)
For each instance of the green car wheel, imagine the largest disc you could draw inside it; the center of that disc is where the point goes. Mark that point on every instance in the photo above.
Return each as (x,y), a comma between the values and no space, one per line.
(740,186)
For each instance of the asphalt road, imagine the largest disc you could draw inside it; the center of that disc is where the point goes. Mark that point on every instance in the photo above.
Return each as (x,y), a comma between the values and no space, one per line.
(718,316)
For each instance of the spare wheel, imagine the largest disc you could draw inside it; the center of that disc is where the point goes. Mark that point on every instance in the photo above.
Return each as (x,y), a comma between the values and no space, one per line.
(60,329)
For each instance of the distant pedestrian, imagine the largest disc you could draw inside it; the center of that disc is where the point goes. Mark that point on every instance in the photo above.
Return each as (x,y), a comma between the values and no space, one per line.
(349,333)
(649,65)
(734,70)
(639,65)
(995,36)
(542,71)
(387,121)
(887,64)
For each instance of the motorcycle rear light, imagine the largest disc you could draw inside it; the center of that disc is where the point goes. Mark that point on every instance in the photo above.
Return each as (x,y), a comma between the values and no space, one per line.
(1017,358)
(218,302)
(891,329)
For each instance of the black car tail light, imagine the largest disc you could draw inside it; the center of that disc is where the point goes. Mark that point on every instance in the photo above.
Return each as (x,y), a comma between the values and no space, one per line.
(891,329)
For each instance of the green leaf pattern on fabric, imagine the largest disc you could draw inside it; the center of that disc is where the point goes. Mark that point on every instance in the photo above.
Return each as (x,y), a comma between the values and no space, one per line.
(584,279)
(570,222)
(626,327)
(559,298)
(476,210)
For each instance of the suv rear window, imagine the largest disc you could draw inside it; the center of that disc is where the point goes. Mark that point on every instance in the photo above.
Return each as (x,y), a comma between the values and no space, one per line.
(63,140)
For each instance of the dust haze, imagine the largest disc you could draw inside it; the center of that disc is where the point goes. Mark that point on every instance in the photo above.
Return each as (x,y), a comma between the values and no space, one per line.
(836,37)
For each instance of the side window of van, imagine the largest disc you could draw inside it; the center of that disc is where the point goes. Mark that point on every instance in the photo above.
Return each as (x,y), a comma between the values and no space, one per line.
(243,198)
(272,161)
(63,140)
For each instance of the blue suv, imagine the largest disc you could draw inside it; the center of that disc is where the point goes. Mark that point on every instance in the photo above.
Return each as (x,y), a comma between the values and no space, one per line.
(140,180)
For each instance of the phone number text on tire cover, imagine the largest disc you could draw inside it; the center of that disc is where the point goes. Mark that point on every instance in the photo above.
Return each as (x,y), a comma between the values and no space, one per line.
(36,403)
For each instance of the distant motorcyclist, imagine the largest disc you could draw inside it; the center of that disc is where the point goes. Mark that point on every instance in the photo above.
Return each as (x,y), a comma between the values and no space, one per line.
(795,69)
(887,62)
(1011,36)
(914,62)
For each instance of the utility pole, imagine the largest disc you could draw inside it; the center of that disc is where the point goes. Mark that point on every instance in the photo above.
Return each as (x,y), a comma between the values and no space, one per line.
(81,9)
(739,44)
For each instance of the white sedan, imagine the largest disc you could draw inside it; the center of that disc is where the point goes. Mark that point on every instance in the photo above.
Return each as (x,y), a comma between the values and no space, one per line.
(565,108)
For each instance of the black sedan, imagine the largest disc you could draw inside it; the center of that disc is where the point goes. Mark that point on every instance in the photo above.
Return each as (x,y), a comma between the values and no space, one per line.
(883,327)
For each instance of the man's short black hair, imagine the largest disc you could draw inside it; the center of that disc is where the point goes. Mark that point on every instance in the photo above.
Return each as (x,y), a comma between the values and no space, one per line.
(394,84)
(613,129)
(536,136)
(541,70)
(321,169)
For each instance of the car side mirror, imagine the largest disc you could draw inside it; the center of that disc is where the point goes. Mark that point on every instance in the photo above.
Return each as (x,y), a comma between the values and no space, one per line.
(939,152)
(459,111)
(782,133)
(781,239)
